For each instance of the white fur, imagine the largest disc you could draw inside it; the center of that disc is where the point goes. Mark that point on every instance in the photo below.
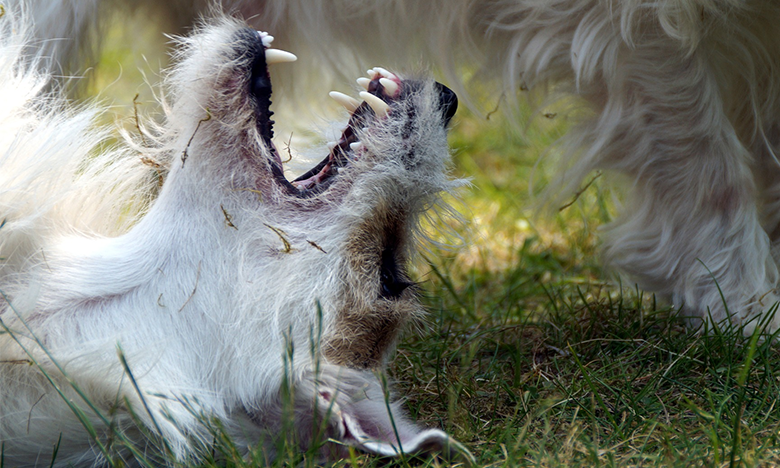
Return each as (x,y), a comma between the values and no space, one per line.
(195,289)
(684,102)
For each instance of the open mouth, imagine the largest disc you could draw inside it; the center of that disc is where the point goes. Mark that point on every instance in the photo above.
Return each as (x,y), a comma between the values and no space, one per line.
(382,89)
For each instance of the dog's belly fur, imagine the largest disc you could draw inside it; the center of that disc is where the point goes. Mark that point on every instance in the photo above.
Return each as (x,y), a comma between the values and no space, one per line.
(234,277)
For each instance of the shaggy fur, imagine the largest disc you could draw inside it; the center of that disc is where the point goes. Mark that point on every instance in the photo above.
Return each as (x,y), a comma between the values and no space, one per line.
(230,295)
(683,99)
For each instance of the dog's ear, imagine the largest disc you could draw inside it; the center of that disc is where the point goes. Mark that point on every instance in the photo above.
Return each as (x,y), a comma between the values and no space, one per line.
(374,425)
(356,410)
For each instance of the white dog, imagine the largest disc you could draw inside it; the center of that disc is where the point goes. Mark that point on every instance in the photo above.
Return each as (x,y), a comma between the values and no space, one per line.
(682,97)
(230,287)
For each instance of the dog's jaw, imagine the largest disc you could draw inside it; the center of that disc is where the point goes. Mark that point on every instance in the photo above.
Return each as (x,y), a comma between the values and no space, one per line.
(353,217)
(233,267)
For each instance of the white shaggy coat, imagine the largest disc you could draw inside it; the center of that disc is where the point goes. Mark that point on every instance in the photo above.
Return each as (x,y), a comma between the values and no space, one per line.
(221,291)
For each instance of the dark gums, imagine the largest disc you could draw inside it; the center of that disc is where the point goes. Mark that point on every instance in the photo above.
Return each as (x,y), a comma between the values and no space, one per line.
(260,89)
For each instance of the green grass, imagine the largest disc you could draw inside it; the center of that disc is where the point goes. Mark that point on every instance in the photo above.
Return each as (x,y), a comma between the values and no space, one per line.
(533,355)
(557,372)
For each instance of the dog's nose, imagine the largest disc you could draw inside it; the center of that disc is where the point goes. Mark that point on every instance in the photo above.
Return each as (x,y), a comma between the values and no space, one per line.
(448,101)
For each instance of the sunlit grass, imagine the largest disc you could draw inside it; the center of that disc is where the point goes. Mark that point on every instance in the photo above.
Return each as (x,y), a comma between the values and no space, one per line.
(535,355)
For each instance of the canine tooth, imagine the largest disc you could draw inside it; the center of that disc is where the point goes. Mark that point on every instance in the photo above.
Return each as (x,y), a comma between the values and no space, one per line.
(356,146)
(383,72)
(278,56)
(380,107)
(390,86)
(364,82)
(348,102)
(331,144)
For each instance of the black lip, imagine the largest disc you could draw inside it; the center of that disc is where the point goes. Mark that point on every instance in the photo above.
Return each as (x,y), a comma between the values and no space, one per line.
(357,119)
(260,88)
(252,52)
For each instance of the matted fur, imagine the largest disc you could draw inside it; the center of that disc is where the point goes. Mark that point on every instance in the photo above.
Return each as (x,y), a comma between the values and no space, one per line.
(219,293)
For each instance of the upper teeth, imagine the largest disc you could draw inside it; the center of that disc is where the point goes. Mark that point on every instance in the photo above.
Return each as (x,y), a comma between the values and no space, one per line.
(266,38)
(380,107)
(364,82)
(278,56)
(350,103)
(380,71)
(390,86)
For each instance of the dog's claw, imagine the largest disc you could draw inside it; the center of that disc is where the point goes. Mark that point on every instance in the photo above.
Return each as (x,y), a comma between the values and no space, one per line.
(278,56)
(349,103)
(380,107)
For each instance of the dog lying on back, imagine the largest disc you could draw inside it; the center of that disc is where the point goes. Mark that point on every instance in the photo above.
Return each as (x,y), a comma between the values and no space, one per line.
(230,286)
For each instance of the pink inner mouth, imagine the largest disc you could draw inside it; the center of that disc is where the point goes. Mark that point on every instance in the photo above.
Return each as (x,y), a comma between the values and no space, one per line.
(384,86)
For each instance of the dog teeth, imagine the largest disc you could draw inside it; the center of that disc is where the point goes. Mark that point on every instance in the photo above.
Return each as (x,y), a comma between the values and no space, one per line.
(383,73)
(349,103)
(391,87)
(356,146)
(331,145)
(278,56)
(364,82)
(266,38)
(380,107)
